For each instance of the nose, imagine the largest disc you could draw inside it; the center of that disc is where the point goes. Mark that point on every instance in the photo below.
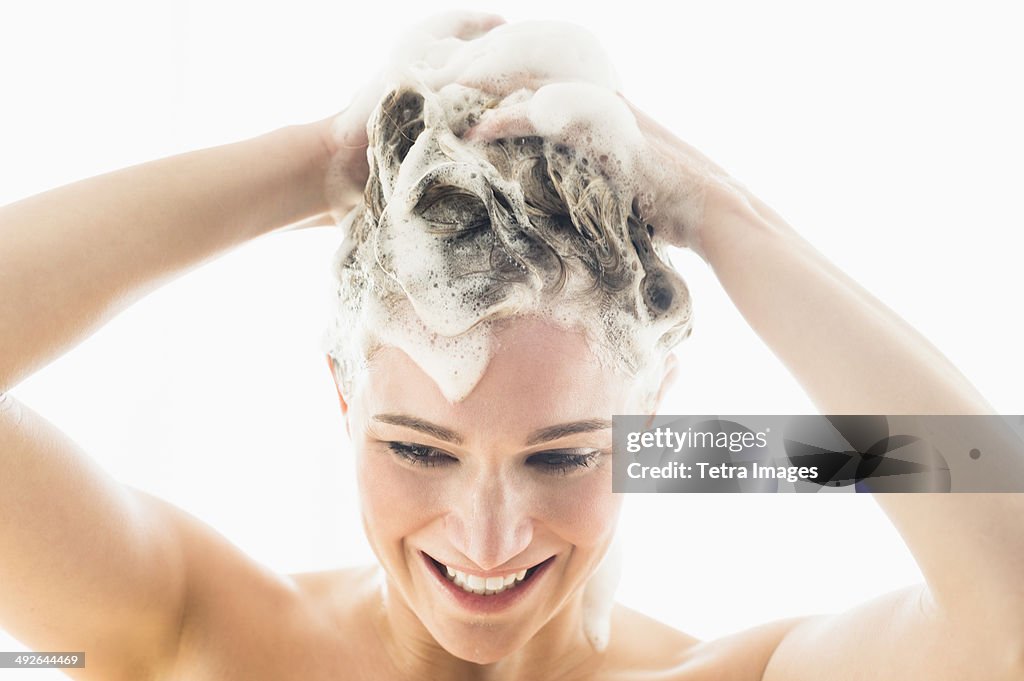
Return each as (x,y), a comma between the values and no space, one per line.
(490,524)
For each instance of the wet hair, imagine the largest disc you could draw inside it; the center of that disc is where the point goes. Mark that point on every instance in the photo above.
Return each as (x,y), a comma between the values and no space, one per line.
(465,233)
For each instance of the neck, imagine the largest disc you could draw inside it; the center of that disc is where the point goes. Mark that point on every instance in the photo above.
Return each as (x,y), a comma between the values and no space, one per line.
(559,649)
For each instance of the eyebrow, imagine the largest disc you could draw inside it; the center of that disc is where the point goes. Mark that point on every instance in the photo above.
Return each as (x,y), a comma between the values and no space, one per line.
(431,429)
(538,436)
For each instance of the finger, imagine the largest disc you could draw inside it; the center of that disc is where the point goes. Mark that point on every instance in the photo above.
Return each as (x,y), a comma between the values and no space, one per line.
(506,121)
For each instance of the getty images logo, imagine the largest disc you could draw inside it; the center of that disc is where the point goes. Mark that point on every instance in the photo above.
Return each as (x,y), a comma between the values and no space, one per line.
(861,451)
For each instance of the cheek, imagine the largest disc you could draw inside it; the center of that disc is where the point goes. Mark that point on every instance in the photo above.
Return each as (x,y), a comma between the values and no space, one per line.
(584,511)
(395,500)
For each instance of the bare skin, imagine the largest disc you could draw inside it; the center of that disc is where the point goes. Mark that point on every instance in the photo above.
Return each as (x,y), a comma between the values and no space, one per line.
(151,593)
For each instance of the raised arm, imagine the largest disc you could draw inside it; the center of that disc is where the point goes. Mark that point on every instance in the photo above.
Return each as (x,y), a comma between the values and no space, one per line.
(853,355)
(856,356)
(86,563)
(75,256)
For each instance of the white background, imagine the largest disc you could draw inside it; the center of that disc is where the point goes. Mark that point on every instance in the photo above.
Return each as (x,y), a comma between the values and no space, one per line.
(887,133)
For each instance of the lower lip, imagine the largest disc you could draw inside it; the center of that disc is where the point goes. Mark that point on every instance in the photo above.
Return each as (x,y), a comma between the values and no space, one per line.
(487,604)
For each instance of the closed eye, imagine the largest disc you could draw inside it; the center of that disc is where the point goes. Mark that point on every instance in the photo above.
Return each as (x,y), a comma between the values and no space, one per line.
(421,455)
(564,461)
(560,461)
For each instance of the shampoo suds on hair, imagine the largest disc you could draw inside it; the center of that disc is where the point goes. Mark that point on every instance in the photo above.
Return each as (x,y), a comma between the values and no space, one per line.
(448,239)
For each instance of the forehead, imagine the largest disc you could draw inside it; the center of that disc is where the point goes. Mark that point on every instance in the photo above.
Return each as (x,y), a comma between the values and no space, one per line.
(539,374)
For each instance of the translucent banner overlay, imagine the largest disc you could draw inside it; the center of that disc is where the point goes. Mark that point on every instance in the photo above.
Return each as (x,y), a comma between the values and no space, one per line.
(818,454)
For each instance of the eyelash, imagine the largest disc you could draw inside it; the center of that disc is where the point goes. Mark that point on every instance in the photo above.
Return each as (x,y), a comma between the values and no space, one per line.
(556,461)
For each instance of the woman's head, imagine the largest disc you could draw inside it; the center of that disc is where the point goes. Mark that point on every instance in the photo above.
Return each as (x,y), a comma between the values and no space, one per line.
(515,476)
(497,303)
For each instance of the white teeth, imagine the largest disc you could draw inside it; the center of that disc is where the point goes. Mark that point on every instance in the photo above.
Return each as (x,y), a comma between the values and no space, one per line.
(486,586)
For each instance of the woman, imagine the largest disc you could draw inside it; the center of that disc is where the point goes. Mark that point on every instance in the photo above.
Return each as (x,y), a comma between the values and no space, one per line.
(509,481)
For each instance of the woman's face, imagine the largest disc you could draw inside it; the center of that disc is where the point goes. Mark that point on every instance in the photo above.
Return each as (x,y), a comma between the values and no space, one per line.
(516,477)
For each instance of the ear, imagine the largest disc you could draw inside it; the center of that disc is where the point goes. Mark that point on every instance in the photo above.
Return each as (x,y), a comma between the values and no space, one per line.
(669,374)
(341,398)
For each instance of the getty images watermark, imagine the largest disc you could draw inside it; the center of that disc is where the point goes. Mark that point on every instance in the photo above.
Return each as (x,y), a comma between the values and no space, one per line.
(818,454)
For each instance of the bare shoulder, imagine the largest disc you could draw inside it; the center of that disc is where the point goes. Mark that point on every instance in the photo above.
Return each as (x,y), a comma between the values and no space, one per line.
(640,642)
(245,620)
(227,584)
(237,610)
(742,656)
(342,590)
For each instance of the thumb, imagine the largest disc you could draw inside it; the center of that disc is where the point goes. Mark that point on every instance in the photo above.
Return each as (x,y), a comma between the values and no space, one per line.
(506,121)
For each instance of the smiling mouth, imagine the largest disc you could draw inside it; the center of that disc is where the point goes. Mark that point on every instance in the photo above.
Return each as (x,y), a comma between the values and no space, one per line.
(485,586)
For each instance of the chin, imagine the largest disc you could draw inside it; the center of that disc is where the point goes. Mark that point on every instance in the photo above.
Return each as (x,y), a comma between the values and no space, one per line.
(481,642)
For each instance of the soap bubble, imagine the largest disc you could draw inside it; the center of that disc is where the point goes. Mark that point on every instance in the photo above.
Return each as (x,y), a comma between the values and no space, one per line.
(454,233)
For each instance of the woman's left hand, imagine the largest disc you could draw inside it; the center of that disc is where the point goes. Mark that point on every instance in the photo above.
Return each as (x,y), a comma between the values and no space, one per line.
(681,193)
